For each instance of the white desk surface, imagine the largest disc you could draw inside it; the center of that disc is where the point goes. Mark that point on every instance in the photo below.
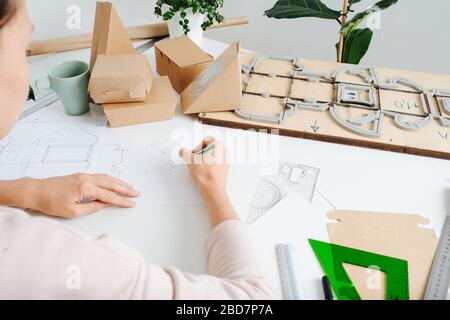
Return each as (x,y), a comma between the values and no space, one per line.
(351,178)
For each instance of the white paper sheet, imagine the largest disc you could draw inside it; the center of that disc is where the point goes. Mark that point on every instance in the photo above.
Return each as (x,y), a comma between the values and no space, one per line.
(42,149)
(149,163)
(50,143)
(293,226)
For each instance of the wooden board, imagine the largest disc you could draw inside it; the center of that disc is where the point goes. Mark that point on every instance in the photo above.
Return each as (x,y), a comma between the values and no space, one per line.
(400,99)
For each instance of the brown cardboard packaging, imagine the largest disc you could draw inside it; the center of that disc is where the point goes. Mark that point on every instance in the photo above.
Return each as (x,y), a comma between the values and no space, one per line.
(182,60)
(160,105)
(109,36)
(120,78)
(218,88)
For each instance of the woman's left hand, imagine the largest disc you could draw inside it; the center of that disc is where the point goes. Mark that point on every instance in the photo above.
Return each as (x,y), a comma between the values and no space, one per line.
(76,195)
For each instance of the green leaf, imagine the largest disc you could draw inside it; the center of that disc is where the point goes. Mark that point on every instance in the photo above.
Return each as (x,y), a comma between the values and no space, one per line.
(357,45)
(31,94)
(337,51)
(291,9)
(352,24)
(352,2)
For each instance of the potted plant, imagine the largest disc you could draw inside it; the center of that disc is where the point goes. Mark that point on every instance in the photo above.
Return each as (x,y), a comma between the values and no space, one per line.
(189,17)
(354,41)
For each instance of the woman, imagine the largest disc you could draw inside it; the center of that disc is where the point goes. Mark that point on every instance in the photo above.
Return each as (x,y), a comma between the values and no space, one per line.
(36,254)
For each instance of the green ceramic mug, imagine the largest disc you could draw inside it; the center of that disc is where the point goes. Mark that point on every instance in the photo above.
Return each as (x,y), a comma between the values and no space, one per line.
(70,81)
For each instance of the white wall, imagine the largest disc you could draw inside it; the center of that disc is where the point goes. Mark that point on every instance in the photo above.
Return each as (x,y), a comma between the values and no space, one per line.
(414,34)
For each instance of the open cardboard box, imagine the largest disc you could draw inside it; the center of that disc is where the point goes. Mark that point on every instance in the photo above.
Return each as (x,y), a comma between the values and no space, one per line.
(160,105)
(182,60)
(120,78)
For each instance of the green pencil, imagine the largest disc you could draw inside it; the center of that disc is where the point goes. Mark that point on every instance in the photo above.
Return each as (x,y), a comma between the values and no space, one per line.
(207,149)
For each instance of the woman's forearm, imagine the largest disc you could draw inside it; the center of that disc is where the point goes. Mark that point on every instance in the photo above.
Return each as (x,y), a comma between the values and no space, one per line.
(61,196)
(208,164)
(219,207)
(15,193)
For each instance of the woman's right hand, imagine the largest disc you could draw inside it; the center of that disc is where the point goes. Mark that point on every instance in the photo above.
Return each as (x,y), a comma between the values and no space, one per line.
(76,195)
(209,171)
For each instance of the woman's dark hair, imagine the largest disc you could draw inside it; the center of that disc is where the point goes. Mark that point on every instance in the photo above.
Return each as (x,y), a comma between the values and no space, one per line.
(7,11)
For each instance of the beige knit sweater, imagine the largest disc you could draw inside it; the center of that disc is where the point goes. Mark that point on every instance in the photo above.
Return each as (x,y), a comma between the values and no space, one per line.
(41,259)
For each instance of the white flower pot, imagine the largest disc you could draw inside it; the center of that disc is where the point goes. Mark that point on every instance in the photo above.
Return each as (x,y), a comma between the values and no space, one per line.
(195,25)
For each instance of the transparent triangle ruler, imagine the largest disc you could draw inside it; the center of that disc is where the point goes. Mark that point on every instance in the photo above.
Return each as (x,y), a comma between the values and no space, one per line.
(333,257)
(439,281)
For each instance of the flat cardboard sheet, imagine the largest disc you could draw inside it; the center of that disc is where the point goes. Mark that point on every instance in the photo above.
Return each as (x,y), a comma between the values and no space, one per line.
(402,236)
(402,102)
(275,86)
(182,60)
(218,88)
(160,105)
(396,107)
(120,78)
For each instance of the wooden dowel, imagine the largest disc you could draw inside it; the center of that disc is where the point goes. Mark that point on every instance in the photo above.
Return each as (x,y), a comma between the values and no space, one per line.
(341,35)
(143,32)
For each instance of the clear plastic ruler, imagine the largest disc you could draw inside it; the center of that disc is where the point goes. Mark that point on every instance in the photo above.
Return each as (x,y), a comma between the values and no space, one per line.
(270,191)
(300,179)
(439,280)
(287,265)
(32,106)
(291,177)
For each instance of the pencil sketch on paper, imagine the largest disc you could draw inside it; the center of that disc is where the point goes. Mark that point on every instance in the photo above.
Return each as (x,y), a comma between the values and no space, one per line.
(109,160)
(164,145)
(169,181)
(48,149)
(145,161)
(290,178)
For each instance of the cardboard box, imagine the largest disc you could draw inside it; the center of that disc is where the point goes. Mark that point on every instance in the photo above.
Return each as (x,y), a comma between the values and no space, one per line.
(160,105)
(182,60)
(109,36)
(120,78)
(218,88)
